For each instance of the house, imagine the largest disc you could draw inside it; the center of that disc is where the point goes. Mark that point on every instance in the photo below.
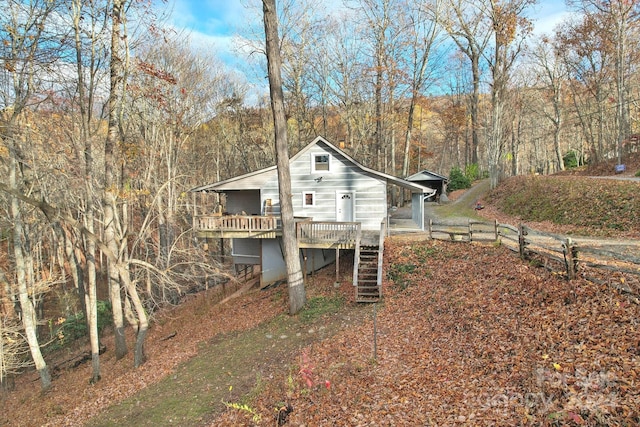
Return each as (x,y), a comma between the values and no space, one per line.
(431,180)
(338,204)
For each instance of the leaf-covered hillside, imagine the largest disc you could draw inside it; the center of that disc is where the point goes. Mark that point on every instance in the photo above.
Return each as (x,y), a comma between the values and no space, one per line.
(579,205)
(467,335)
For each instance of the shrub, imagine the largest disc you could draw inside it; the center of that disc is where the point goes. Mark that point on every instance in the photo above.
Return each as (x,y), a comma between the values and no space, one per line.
(571,160)
(472,172)
(458,180)
(75,326)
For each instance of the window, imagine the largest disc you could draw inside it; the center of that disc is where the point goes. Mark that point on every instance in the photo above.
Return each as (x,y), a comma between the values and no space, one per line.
(309,199)
(319,162)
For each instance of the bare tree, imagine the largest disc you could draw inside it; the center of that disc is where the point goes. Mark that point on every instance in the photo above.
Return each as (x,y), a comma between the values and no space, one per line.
(585,53)
(13,351)
(295,281)
(552,75)
(26,52)
(422,30)
(298,41)
(509,29)
(348,85)
(378,15)
(467,25)
(88,23)
(172,93)
(110,184)
(617,18)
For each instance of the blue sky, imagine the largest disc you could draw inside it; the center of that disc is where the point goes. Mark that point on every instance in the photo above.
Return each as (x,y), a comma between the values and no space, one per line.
(210,23)
(217,18)
(214,24)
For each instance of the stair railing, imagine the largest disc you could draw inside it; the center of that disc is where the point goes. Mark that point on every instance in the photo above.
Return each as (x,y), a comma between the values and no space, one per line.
(356,257)
(383,231)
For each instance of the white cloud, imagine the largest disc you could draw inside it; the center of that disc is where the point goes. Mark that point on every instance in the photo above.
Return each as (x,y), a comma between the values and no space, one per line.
(548,15)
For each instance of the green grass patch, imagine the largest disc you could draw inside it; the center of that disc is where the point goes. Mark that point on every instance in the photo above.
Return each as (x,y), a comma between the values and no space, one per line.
(228,370)
(424,252)
(455,211)
(318,306)
(593,206)
(400,274)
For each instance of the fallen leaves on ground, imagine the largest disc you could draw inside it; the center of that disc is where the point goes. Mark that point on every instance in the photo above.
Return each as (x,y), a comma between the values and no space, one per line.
(568,204)
(72,400)
(467,335)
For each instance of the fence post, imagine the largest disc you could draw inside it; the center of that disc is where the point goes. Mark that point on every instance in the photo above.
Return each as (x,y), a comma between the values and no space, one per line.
(470,230)
(521,240)
(570,259)
(430,225)
(495,229)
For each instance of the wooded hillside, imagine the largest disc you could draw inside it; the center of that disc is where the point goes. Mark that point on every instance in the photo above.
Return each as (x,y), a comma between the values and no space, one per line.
(108,117)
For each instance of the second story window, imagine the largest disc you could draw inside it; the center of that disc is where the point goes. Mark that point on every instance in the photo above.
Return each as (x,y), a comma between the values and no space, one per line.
(319,162)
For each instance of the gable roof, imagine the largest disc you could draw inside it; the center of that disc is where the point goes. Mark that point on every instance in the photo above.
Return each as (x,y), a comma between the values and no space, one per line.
(426,175)
(249,181)
(255,180)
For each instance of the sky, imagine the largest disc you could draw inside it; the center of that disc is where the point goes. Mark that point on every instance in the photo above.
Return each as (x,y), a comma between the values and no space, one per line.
(214,24)
(216,21)
(210,23)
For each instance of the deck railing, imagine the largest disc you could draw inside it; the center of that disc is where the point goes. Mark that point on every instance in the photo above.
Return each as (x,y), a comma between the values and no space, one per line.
(235,223)
(336,234)
(309,233)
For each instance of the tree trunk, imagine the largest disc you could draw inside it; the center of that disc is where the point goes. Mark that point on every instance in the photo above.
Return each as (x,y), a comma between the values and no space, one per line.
(143,322)
(89,300)
(295,281)
(110,190)
(378,98)
(475,104)
(407,139)
(29,320)
(515,145)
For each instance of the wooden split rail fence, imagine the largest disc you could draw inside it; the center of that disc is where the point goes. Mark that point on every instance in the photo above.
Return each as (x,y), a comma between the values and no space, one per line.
(622,256)
(468,232)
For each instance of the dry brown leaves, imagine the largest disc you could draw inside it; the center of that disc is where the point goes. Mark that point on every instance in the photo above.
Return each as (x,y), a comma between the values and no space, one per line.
(466,335)
(71,401)
(474,336)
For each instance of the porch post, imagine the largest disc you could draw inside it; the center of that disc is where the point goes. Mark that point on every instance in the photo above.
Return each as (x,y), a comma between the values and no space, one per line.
(337,265)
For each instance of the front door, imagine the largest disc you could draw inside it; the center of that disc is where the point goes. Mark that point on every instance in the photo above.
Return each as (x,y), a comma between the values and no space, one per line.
(344,206)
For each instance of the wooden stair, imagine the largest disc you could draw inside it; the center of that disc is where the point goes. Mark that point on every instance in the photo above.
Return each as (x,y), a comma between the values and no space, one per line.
(368,288)
(367,269)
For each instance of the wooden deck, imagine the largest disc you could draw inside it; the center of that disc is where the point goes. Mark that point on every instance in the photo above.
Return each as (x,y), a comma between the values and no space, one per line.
(310,234)
(236,226)
(328,235)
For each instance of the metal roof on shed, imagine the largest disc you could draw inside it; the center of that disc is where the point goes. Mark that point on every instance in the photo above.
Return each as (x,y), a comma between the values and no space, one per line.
(426,175)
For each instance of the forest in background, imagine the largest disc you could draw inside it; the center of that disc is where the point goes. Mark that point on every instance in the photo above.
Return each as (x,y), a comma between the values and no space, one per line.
(108,118)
